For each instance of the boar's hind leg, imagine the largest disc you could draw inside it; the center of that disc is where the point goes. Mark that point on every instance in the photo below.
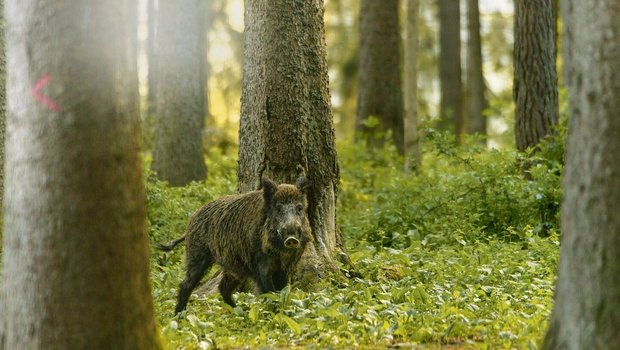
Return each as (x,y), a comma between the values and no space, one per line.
(228,285)
(197,266)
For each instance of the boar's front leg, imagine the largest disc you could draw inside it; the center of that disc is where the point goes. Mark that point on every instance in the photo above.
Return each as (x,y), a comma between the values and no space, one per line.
(264,276)
(228,285)
(280,279)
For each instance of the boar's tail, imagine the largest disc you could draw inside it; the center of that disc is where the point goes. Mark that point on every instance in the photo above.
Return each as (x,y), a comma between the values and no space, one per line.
(170,245)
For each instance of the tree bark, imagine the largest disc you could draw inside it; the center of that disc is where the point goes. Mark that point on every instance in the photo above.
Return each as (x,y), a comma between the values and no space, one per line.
(586,313)
(535,77)
(152,56)
(178,151)
(286,123)
(379,89)
(412,136)
(2,100)
(75,263)
(450,79)
(476,120)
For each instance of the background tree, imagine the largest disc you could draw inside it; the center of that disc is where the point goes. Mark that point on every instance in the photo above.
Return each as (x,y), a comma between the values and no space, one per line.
(152,55)
(286,121)
(178,151)
(412,137)
(535,78)
(379,88)
(476,87)
(75,261)
(587,297)
(451,103)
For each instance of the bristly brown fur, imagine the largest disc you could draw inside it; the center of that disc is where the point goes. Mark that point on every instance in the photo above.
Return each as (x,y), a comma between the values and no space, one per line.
(244,234)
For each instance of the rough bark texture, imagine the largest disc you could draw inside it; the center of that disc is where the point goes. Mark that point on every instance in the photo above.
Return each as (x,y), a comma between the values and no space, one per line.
(586,314)
(379,89)
(286,122)
(535,77)
(476,121)
(178,152)
(412,136)
(75,263)
(451,102)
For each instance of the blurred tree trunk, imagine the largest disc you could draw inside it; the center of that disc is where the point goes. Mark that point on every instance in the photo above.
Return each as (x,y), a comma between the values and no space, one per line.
(451,104)
(379,89)
(75,262)
(178,151)
(412,136)
(476,121)
(286,121)
(152,56)
(535,77)
(2,99)
(586,313)
(204,22)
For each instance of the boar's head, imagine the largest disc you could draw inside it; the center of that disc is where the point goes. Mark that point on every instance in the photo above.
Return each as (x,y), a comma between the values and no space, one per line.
(286,211)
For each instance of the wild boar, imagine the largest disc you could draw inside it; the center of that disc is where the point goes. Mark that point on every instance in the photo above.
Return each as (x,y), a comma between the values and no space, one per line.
(259,235)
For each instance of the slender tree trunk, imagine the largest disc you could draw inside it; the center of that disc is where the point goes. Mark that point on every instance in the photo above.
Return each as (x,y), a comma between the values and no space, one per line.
(586,313)
(535,78)
(152,56)
(450,79)
(476,121)
(379,90)
(412,136)
(178,151)
(286,122)
(75,262)
(204,22)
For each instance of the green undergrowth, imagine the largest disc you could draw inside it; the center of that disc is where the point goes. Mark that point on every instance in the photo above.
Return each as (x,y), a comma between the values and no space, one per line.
(461,255)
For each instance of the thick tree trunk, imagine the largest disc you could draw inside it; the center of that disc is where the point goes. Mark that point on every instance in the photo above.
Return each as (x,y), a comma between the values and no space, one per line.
(535,77)
(75,262)
(2,100)
(450,79)
(412,136)
(476,121)
(178,151)
(379,89)
(286,121)
(586,314)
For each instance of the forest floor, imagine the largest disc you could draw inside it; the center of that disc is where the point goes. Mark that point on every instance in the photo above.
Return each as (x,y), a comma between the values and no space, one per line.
(461,256)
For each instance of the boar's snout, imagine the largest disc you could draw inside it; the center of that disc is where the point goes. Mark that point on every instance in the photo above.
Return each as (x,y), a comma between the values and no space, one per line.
(292,242)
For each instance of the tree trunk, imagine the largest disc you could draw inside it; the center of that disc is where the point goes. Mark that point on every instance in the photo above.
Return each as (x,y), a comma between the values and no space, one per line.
(75,263)
(2,100)
(152,57)
(586,314)
(535,77)
(286,122)
(476,121)
(412,136)
(178,151)
(379,89)
(451,103)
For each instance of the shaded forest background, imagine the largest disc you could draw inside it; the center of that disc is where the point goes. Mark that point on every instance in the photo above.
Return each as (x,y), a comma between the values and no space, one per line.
(224,47)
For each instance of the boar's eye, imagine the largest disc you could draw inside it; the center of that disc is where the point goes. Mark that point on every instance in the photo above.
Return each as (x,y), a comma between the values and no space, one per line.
(280,207)
(299,208)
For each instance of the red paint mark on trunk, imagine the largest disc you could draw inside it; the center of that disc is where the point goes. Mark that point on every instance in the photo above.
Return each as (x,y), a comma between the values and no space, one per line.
(36,91)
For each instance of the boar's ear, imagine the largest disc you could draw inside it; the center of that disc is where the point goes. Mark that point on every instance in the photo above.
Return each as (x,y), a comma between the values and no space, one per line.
(269,188)
(303,184)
